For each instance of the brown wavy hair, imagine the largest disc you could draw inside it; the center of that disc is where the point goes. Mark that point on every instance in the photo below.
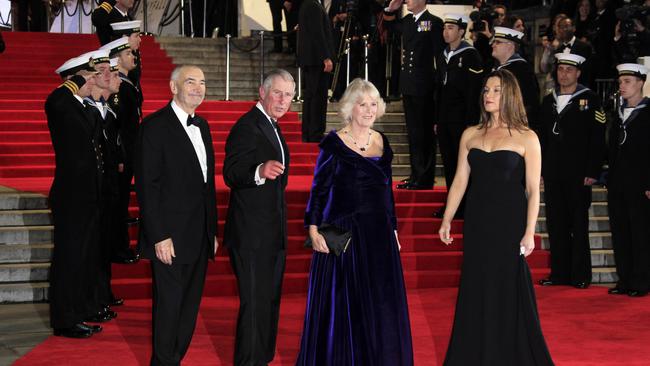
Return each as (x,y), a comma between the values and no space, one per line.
(511,105)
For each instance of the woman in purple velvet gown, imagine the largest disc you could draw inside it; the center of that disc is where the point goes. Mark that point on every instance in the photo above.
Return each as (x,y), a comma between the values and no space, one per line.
(357,312)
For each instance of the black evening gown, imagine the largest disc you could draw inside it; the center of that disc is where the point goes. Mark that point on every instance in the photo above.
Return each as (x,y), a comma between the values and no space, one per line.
(496,321)
(357,312)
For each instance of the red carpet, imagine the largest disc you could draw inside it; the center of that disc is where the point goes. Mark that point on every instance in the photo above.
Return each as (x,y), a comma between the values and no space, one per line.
(582,328)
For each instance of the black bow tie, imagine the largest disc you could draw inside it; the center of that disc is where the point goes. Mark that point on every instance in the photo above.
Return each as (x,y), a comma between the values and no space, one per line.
(192,121)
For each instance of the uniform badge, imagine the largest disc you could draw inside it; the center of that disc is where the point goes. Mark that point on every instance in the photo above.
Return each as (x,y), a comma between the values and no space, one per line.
(600,116)
(584,105)
(116,99)
(424,26)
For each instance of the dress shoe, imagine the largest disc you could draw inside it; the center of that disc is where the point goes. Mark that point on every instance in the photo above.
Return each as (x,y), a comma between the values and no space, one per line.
(92,328)
(617,291)
(126,260)
(581,285)
(132,220)
(414,186)
(103,316)
(550,282)
(117,302)
(406,180)
(636,293)
(76,331)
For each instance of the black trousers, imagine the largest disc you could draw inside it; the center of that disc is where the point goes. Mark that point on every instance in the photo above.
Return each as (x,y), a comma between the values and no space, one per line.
(277,7)
(422,141)
(567,221)
(629,219)
(259,278)
(120,241)
(449,139)
(177,293)
(112,222)
(314,107)
(74,263)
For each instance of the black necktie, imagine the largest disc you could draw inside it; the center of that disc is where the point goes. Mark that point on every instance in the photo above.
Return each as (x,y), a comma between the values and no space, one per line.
(275,124)
(192,121)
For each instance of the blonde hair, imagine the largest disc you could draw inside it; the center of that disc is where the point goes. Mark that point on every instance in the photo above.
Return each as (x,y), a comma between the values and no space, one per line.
(357,89)
(511,105)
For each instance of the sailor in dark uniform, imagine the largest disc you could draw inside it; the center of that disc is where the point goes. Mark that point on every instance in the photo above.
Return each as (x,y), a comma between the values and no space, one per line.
(131,30)
(628,184)
(572,135)
(421,42)
(459,74)
(129,115)
(505,45)
(113,237)
(110,11)
(74,199)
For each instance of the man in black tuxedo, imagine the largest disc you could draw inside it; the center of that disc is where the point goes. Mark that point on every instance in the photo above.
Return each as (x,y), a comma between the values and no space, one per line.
(174,175)
(421,42)
(570,44)
(256,169)
(315,55)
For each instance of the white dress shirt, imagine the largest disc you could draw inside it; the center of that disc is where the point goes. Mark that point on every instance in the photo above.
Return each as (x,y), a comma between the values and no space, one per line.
(194,133)
(259,180)
(417,16)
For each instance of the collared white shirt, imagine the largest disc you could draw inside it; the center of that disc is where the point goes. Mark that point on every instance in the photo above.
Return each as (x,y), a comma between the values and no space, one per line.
(259,180)
(120,11)
(80,99)
(562,101)
(417,16)
(194,133)
(569,45)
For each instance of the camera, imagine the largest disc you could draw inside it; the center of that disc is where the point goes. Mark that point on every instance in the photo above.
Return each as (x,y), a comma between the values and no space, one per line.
(485,12)
(627,14)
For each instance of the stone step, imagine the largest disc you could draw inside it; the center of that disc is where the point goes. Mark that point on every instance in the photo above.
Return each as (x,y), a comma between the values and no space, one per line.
(596,224)
(25,217)
(604,275)
(598,194)
(597,240)
(22,201)
(596,209)
(24,292)
(26,253)
(10,235)
(24,272)
(602,258)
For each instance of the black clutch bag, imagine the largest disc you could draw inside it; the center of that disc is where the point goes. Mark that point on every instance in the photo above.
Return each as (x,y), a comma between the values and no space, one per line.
(337,239)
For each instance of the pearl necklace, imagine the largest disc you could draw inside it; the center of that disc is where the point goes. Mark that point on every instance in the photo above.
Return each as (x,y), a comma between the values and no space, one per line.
(362,148)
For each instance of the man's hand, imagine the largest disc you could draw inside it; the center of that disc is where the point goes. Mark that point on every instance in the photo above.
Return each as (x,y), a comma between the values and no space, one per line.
(486,31)
(216,246)
(328,65)
(394,5)
(271,169)
(120,168)
(165,251)
(589,181)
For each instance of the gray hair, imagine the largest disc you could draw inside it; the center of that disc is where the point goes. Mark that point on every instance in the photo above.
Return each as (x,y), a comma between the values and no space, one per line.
(277,73)
(178,69)
(357,89)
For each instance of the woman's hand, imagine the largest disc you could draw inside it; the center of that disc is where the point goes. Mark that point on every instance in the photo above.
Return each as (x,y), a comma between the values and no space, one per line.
(318,241)
(399,246)
(444,233)
(528,243)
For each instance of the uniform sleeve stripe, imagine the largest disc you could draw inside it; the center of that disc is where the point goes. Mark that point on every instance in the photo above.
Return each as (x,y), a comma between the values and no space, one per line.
(71,86)
(106,6)
(476,71)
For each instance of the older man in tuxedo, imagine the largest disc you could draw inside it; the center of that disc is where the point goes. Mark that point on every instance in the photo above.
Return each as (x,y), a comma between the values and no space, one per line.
(174,172)
(256,170)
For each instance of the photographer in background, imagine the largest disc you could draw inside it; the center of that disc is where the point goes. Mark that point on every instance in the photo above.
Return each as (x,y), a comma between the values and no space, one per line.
(483,22)
(631,35)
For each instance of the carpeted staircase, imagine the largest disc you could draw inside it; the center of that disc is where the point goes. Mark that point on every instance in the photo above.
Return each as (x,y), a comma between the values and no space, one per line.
(26,164)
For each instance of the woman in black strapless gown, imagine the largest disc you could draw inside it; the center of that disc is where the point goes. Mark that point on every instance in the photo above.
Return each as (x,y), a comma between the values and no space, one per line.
(496,322)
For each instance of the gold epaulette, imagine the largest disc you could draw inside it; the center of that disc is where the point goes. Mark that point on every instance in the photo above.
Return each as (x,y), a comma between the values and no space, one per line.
(70,85)
(106,6)
(600,116)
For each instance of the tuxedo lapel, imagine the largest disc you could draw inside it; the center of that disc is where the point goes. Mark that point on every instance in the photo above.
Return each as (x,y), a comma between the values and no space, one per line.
(265,125)
(184,140)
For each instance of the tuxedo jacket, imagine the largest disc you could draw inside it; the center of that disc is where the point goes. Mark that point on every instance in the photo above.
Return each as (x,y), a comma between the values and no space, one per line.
(257,214)
(174,201)
(315,42)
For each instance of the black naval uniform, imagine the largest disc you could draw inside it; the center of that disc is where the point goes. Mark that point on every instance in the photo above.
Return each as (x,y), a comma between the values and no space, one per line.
(528,85)
(573,147)
(421,42)
(129,116)
(583,49)
(75,202)
(113,232)
(459,76)
(103,16)
(629,208)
